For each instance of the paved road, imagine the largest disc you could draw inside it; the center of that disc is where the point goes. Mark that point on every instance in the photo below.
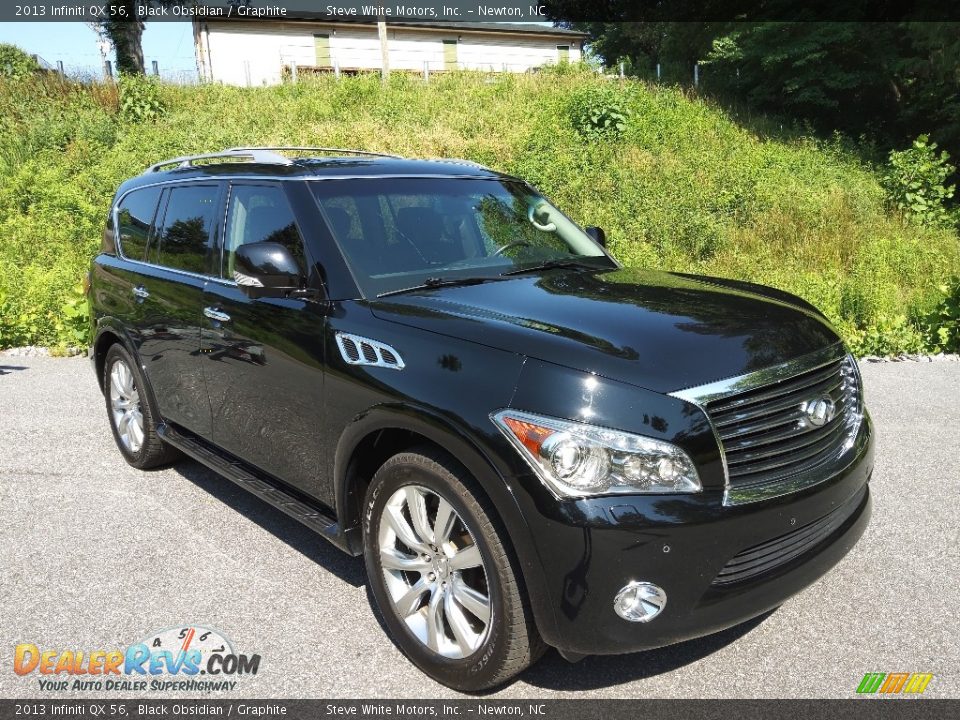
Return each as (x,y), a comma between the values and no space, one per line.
(96,555)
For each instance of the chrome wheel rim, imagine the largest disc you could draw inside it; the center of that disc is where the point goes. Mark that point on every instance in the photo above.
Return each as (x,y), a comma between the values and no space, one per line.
(434,573)
(125,407)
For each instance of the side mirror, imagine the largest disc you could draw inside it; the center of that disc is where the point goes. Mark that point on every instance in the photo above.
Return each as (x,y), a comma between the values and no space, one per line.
(266,269)
(598,235)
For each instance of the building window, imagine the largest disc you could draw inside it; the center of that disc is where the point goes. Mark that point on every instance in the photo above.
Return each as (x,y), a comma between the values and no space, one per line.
(321,45)
(449,54)
(563,53)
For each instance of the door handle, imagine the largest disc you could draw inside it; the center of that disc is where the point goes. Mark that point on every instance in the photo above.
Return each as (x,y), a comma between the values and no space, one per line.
(215,314)
(141,292)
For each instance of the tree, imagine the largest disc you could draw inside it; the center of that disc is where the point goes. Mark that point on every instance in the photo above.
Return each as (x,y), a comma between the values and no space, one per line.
(124,29)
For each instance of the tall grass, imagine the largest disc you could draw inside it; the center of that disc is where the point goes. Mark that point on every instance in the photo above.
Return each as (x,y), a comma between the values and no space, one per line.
(683,188)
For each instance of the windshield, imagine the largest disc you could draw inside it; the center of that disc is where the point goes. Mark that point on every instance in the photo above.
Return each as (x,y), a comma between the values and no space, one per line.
(403,232)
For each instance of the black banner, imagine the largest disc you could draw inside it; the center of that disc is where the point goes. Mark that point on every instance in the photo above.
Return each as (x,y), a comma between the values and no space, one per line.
(453,11)
(203,709)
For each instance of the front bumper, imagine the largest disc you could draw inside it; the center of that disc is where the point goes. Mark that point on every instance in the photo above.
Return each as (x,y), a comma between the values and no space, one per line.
(681,543)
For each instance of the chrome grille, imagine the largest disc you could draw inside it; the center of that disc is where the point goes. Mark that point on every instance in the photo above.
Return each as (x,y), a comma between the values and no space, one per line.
(783,428)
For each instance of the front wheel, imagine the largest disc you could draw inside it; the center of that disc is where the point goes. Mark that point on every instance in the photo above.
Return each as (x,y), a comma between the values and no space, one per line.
(441,577)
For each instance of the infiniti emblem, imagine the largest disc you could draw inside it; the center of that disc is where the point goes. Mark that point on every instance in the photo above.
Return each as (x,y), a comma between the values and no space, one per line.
(819,411)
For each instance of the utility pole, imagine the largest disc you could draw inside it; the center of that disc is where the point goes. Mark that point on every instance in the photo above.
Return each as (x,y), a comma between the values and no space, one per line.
(384,50)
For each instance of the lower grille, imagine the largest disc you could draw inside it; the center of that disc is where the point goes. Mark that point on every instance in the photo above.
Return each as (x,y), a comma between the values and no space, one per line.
(771,554)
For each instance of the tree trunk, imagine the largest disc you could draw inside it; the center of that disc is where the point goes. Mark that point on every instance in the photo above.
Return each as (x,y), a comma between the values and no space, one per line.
(126,35)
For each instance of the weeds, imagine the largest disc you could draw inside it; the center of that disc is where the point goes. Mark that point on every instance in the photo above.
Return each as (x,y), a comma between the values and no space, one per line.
(679,185)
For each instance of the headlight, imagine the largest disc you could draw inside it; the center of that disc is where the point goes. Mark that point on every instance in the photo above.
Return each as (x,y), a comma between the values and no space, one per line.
(851,386)
(577,460)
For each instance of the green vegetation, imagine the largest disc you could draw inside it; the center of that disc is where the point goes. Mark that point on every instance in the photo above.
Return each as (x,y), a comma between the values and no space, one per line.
(680,186)
(916,183)
(15,63)
(140,98)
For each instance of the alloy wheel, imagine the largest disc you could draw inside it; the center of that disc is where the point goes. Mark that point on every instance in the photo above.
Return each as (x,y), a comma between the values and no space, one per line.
(434,573)
(125,407)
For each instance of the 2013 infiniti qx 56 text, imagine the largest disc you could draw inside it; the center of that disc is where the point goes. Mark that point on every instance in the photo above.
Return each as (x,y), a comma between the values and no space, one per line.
(429,364)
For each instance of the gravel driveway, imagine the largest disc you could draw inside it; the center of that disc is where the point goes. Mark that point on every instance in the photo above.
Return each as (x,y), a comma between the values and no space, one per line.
(96,555)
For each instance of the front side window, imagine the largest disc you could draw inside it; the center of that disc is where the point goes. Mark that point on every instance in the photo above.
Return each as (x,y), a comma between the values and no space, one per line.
(184,237)
(260,213)
(400,232)
(134,218)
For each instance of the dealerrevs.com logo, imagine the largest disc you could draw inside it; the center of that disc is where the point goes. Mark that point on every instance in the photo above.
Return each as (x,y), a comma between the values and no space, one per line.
(189,658)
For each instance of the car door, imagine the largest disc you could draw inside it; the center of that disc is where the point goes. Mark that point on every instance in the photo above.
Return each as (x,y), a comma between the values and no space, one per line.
(263,359)
(166,284)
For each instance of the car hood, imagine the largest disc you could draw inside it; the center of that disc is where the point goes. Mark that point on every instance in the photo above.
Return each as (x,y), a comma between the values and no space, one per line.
(661,331)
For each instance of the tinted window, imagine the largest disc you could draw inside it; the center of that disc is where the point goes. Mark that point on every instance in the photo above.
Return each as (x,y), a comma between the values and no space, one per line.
(398,232)
(260,213)
(135,215)
(183,239)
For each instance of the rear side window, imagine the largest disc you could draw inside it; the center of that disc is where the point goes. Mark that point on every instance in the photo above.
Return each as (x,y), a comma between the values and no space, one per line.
(260,213)
(184,237)
(134,218)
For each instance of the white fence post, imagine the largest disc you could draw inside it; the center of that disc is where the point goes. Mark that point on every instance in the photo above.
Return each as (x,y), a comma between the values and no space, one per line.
(696,74)
(658,72)
(246,71)
(426,71)
(293,72)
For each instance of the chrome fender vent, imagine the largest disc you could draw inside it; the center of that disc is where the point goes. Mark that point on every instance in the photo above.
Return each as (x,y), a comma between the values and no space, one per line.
(358,350)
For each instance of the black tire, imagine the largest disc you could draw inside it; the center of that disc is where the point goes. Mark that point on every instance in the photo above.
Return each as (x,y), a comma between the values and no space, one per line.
(152,451)
(511,642)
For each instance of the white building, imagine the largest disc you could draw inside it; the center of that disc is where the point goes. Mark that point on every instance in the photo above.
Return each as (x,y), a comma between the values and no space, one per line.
(256,53)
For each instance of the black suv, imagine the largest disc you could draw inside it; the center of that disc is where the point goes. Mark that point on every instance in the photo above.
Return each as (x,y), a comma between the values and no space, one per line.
(432,366)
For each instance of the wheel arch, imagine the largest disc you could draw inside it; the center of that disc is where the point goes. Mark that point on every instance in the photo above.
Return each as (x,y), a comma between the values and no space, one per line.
(111,332)
(380,433)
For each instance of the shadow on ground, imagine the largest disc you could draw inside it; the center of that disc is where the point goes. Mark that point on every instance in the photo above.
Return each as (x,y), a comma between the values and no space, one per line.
(555,673)
(552,672)
(7,369)
(300,538)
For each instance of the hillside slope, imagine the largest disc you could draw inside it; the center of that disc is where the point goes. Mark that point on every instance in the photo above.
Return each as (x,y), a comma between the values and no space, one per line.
(684,187)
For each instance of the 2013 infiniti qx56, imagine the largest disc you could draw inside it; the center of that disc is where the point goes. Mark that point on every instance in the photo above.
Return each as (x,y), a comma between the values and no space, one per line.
(431,365)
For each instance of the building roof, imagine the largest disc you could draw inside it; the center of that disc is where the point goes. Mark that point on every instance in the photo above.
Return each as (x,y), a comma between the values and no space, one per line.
(487,27)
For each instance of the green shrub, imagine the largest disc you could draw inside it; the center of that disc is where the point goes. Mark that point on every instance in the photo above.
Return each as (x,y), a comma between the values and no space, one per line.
(16,63)
(888,335)
(943,324)
(915,183)
(599,112)
(140,98)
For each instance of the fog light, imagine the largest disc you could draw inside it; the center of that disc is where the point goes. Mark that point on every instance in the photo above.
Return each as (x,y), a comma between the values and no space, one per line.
(639,601)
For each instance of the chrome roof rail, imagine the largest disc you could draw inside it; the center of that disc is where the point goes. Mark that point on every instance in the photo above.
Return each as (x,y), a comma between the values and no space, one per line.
(256,155)
(345,151)
(460,161)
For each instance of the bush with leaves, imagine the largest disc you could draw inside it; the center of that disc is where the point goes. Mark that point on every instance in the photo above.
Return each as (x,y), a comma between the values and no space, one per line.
(943,324)
(600,112)
(16,63)
(915,182)
(140,98)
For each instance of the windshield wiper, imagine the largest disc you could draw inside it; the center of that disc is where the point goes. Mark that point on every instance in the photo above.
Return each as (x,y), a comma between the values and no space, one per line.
(551,265)
(435,282)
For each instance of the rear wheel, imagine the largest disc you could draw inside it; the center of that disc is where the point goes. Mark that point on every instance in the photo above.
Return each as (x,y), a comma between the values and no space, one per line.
(132,419)
(441,577)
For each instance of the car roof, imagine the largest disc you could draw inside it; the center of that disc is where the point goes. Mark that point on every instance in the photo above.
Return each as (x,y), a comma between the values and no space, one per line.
(308,168)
